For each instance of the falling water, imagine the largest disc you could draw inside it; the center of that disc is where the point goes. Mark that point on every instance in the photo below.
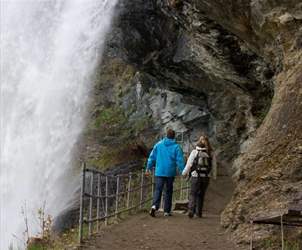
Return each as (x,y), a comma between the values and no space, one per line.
(49,50)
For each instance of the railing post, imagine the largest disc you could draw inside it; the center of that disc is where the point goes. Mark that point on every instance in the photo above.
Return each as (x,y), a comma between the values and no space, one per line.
(152,182)
(252,235)
(106,202)
(98,202)
(90,205)
(117,195)
(162,199)
(188,187)
(214,163)
(141,190)
(129,190)
(82,203)
(181,187)
(282,232)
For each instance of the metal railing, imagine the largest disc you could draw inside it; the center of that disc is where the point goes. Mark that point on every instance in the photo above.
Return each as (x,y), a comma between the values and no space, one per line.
(105,197)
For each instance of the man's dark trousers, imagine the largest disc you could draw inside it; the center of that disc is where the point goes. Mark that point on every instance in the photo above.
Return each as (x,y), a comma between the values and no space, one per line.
(199,187)
(160,182)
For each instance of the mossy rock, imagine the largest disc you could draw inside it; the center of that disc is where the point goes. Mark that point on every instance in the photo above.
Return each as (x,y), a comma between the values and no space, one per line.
(113,155)
(118,74)
(109,117)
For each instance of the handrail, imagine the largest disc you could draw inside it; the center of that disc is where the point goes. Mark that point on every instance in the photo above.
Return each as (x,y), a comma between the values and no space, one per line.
(106,196)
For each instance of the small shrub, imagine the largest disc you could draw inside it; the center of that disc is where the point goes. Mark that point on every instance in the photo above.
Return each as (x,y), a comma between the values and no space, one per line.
(292,245)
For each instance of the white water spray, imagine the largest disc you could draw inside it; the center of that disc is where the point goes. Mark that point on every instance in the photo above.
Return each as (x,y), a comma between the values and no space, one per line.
(49,50)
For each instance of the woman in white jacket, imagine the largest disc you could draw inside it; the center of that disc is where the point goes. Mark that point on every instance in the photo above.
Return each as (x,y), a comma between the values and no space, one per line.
(198,167)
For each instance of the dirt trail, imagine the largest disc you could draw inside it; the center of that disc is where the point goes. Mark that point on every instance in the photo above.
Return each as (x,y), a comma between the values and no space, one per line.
(176,232)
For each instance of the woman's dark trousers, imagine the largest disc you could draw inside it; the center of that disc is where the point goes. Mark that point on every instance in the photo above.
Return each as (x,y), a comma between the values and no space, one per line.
(160,182)
(199,187)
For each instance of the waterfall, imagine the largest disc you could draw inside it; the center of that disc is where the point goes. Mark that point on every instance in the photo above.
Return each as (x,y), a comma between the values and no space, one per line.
(49,51)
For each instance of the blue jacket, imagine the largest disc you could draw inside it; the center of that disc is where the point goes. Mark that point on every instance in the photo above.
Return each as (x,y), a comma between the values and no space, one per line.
(166,156)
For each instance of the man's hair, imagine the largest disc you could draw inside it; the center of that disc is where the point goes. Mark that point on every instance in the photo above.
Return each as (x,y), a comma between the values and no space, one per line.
(170,133)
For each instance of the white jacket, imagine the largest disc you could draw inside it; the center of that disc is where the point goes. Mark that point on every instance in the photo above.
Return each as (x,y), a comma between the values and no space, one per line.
(190,162)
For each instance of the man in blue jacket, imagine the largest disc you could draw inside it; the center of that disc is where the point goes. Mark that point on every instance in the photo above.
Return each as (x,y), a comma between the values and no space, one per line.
(166,156)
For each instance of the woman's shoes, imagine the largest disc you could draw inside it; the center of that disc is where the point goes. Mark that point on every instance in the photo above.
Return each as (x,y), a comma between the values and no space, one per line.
(191,215)
(152,211)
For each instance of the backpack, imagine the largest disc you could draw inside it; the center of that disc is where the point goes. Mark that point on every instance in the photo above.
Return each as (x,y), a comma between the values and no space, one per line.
(201,164)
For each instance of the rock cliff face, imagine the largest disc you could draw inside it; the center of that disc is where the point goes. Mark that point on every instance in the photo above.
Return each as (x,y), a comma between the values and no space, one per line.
(171,65)
(230,69)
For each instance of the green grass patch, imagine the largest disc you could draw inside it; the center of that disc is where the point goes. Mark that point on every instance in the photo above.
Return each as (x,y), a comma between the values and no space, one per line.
(37,247)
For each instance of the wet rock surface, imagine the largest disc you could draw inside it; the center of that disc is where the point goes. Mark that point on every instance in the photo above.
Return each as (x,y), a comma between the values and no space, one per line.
(181,69)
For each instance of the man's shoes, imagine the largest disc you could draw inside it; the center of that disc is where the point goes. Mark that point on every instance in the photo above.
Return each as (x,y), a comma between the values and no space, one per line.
(190,214)
(152,211)
(167,214)
(199,215)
